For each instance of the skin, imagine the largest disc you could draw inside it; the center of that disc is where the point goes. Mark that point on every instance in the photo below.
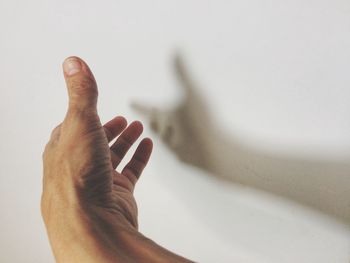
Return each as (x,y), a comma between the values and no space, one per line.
(88,207)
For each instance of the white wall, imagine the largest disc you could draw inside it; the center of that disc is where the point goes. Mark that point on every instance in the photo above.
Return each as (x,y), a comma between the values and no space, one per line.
(274,72)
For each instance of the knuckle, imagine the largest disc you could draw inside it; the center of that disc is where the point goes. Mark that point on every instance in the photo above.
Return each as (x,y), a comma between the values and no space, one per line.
(56,131)
(82,115)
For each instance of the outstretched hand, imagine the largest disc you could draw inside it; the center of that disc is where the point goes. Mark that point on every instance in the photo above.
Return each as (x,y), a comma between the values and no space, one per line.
(81,145)
(88,207)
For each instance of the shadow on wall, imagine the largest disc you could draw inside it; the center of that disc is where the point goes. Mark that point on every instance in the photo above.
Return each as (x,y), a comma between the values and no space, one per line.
(190,132)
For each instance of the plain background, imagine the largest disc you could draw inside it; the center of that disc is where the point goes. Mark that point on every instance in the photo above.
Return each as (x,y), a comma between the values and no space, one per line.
(276,74)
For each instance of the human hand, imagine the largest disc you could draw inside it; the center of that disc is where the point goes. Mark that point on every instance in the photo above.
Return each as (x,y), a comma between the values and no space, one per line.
(80,180)
(88,208)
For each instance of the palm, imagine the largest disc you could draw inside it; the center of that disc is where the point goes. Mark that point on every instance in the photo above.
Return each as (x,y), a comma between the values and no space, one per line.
(123,199)
(124,182)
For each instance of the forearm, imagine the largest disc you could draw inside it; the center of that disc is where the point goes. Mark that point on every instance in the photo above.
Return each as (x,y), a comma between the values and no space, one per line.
(82,238)
(143,249)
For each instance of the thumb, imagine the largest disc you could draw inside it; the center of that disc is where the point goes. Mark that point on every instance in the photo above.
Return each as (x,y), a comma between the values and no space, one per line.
(81,85)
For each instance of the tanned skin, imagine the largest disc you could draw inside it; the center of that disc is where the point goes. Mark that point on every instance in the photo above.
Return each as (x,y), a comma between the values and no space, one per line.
(89,209)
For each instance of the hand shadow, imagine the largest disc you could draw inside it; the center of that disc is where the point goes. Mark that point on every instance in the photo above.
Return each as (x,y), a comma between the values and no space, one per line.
(188,130)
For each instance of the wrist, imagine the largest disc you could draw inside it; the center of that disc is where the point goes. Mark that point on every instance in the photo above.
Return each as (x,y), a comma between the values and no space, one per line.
(80,234)
(92,234)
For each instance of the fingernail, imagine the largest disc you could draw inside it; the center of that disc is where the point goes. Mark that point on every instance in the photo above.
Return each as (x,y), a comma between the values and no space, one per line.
(71,66)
